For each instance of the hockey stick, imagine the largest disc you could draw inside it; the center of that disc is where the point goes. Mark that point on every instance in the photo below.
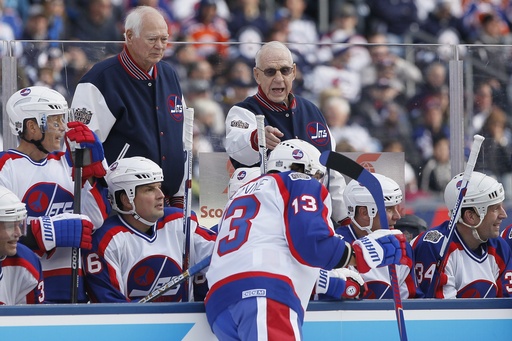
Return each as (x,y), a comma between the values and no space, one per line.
(262,145)
(177,280)
(188,136)
(349,167)
(470,166)
(77,202)
(81,115)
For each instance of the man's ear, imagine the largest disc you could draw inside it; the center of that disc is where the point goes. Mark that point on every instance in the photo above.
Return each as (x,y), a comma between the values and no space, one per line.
(128,35)
(125,202)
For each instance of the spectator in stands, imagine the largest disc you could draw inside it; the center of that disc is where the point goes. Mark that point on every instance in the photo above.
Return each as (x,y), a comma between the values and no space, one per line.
(436,172)
(483,103)
(442,20)
(207,28)
(336,110)
(371,111)
(181,57)
(247,24)
(432,127)
(493,57)
(209,118)
(9,32)
(96,23)
(10,16)
(393,18)
(435,84)
(336,74)
(302,30)
(408,73)
(495,155)
(344,30)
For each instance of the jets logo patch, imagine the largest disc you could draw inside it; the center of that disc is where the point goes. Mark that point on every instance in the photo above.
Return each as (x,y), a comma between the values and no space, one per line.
(175,107)
(317,133)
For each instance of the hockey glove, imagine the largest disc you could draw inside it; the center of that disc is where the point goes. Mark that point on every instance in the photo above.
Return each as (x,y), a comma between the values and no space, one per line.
(93,159)
(340,283)
(63,230)
(380,248)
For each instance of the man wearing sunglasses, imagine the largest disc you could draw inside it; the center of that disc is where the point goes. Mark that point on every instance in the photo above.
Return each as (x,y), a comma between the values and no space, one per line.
(287,116)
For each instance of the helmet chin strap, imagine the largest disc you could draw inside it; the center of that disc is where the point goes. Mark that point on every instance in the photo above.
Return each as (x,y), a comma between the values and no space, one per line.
(136,215)
(37,143)
(473,230)
(368,228)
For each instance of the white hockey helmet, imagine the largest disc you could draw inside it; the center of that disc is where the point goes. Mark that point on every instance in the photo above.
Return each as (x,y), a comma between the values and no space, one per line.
(240,177)
(37,102)
(297,151)
(356,194)
(128,173)
(482,192)
(11,207)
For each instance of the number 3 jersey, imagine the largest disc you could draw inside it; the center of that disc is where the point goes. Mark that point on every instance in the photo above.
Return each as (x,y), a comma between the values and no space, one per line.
(21,278)
(126,265)
(482,273)
(46,187)
(274,235)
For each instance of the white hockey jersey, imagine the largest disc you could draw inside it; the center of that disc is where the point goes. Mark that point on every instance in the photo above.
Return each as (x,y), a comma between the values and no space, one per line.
(126,265)
(21,278)
(274,236)
(46,187)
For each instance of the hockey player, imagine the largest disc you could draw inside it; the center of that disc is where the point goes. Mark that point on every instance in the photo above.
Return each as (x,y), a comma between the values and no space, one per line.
(141,247)
(287,116)
(38,173)
(274,236)
(363,213)
(21,276)
(506,234)
(479,263)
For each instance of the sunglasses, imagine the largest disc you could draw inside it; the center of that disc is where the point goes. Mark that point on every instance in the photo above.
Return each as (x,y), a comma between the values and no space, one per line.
(271,72)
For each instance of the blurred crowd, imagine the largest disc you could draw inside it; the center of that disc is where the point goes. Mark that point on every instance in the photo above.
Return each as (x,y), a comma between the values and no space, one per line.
(376,94)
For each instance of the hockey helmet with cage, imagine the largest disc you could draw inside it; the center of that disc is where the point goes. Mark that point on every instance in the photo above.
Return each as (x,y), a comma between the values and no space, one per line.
(128,173)
(355,194)
(296,151)
(36,102)
(11,207)
(482,192)
(240,177)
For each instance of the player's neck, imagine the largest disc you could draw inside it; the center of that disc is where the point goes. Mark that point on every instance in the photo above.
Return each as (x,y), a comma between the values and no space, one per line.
(467,237)
(31,151)
(136,224)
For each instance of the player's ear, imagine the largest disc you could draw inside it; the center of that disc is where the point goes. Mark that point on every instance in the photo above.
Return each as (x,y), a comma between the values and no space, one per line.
(125,202)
